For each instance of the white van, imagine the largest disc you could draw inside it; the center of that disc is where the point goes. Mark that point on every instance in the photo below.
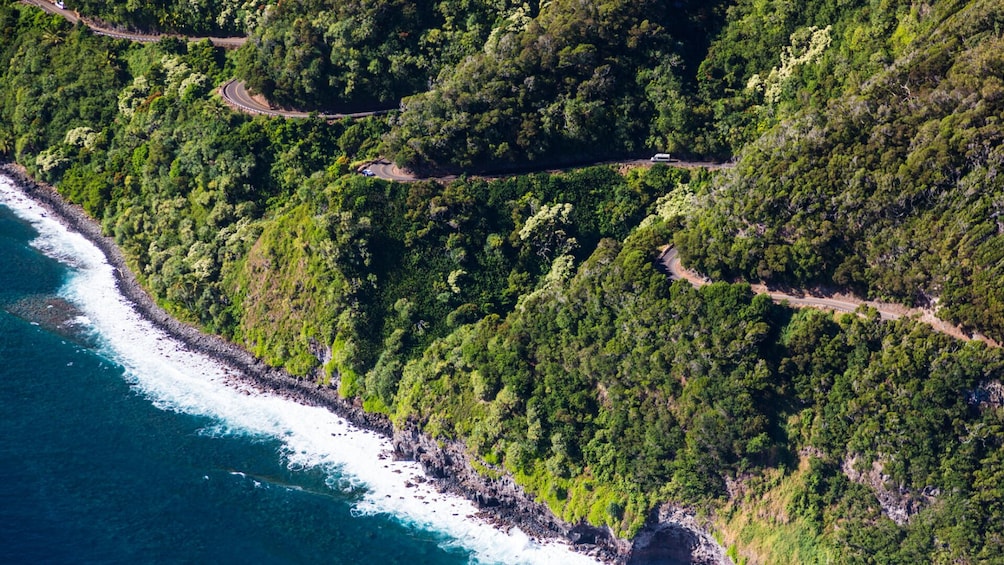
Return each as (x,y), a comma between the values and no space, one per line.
(661,158)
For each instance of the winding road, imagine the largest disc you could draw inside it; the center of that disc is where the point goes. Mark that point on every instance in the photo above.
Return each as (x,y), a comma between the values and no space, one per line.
(235,93)
(670,260)
(73,17)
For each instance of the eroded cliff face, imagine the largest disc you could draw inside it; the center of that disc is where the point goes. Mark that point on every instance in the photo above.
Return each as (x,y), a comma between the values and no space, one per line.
(898,502)
(673,536)
(501,500)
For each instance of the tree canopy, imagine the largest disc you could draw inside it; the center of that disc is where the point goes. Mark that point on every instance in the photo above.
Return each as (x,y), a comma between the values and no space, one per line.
(525,315)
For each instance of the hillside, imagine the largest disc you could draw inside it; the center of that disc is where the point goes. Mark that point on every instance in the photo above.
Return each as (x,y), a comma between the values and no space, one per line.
(204,17)
(525,315)
(890,188)
(511,82)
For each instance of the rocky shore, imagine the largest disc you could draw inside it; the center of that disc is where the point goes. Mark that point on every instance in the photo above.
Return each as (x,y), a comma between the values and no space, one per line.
(672,535)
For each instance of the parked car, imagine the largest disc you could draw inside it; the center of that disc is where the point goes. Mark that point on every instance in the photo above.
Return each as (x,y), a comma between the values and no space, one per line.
(368,173)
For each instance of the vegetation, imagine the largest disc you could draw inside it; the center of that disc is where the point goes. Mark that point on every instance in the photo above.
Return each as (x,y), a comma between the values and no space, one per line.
(511,82)
(327,55)
(573,80)
(607,389)
(525,315)
(506,84)
(203,17)
(890,188)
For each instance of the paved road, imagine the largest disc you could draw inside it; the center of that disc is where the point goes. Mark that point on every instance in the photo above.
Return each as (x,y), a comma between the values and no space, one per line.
(73,18)
(670,260)
(235,93)
(678,163)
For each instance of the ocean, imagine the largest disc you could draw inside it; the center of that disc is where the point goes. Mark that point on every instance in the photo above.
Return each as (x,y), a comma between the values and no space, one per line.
(119,445)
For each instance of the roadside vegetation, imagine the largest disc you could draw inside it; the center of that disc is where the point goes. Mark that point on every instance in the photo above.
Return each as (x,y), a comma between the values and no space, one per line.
(525,315)
(194,17)
(890,188)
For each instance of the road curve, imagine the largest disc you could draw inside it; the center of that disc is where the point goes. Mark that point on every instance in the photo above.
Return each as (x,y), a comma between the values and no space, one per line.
(235,93)
(98,29)
(670,260)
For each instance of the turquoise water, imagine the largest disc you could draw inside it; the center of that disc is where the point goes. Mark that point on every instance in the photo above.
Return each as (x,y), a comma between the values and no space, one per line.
(98,467)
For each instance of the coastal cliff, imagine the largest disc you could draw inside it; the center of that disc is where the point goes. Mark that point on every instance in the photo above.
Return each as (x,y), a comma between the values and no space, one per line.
(672,535)
(522,318)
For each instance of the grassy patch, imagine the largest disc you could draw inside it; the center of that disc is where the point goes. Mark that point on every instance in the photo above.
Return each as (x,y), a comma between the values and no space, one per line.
(759,528)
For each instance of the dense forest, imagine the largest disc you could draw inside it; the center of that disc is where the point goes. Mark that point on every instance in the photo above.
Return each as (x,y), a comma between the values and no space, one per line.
(328,55)
(194,17)
(495,85)
(891,187)
(525,315)
(488,84)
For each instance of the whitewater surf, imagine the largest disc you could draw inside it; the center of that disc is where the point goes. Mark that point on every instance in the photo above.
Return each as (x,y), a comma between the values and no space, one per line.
(174,378)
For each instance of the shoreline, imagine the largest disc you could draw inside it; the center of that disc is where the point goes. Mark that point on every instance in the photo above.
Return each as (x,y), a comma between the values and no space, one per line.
(671,533)
(499,504)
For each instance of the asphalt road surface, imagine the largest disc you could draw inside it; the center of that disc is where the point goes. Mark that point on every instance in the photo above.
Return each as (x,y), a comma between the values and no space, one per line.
(235,93)
(388,171)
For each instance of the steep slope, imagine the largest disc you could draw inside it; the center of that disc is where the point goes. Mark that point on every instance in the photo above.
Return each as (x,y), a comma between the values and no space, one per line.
(205,17)
(524,316)
(892,188)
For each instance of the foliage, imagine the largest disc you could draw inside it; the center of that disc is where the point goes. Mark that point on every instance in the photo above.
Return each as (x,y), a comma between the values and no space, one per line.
(338,55)
(607,389)
(561,83)
(890,188)
(202,17)
(525,315)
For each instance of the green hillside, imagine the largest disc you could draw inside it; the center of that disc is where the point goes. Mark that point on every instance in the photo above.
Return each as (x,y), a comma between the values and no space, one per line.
(890,188)
(526,315)
(198,17)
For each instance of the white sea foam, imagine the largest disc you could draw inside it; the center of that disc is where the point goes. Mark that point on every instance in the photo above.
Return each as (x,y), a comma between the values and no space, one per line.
(174,378)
